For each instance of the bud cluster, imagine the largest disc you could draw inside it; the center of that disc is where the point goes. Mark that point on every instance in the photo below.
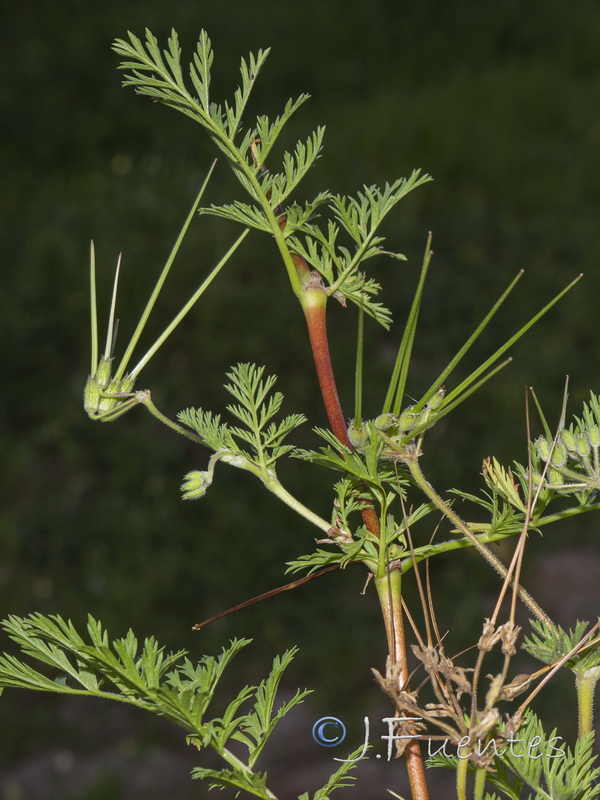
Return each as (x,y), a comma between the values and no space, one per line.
(394,428)
(103,394)
(196,483)
(573,459)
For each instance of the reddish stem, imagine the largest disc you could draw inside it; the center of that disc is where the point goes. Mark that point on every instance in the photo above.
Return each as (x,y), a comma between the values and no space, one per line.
(314,303)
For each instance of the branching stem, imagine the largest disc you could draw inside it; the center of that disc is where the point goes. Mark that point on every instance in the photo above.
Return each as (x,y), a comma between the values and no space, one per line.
(491,559)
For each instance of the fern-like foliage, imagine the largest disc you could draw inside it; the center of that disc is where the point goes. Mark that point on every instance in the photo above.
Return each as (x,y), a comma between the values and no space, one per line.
(362,489)
(534,765)
(367,464)
(550,644)
(258,442)
(546,768)
(160,75)
(359,218)
(502,502)
(169,685)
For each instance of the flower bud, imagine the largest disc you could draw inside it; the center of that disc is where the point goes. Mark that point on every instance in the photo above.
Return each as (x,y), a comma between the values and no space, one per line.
(435,401)
(583,445)
(91,396)
(359,436)
(555,478)
(568,440)
(195,484)
(594,434)
(127,384)
(385,422)
(103,372)
(543,448)
(423,417)
(559,455)
(408,419)
(108,400)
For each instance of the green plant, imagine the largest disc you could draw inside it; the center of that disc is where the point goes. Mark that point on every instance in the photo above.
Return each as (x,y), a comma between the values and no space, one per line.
(379,496)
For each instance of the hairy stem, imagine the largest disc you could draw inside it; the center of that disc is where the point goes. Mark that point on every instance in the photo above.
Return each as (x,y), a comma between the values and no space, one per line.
(461,778)
(447,510)
(480,777)
(389,591)
(586,685)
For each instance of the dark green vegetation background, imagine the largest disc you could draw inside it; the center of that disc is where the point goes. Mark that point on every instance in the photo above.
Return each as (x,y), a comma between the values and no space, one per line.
(498,101)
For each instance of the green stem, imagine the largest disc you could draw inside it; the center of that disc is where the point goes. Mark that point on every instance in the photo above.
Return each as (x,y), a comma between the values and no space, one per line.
(234,761)
(480,777)
(461,778)
(389,591)
(470,342)
(585,682)
(274,486)
(514,338)
(447,510)
(430,550)
(145,400)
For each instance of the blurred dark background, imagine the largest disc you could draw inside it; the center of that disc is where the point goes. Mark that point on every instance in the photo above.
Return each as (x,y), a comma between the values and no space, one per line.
(499,102)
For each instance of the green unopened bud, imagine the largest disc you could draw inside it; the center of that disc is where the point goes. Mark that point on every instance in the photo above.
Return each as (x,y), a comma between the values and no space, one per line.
(435,401)
(543,448)
(555,479)
(359,436)
(594,434)
(559,455)
(386,422)
(423,417)
(583,445)
(568,440)
(109,400)
(408,419)
(195,484)
(91,396)
(127,384)
(103,372)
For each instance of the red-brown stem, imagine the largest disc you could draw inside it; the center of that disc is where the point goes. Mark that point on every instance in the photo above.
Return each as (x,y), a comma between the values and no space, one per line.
(314,304)
(390,598)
